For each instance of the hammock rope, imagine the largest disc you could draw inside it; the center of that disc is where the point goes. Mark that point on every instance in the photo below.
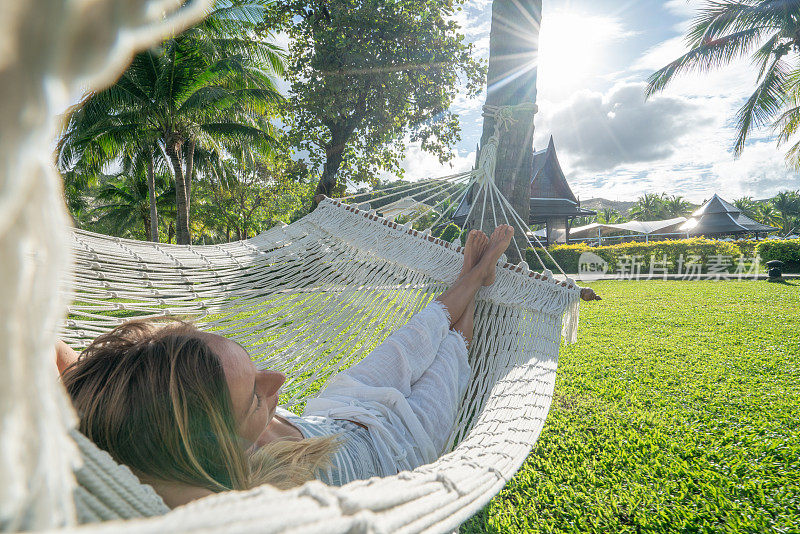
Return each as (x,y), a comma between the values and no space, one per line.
(317,295)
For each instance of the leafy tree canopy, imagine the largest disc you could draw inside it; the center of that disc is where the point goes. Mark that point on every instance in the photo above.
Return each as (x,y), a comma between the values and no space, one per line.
(369,75)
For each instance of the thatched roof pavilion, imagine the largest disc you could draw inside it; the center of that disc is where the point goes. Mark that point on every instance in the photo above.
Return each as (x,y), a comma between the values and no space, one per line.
(717,217)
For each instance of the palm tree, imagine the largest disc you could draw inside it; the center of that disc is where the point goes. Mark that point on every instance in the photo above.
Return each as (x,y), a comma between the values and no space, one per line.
(77,186)
(82,163)
(675,206)
(787,206)
(724,30)
(766,214)
(197,90)
(747,205)
(609,216)
(648,207)
(125,200)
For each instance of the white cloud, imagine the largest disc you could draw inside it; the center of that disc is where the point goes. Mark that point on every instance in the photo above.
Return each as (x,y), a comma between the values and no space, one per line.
(617,146)
(736,80)
(684,8)
(661,54)
(473,20)
(419,164)
(601,132)
(760,172)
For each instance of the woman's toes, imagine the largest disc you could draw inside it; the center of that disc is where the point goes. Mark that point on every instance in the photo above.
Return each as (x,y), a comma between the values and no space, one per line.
(482,241)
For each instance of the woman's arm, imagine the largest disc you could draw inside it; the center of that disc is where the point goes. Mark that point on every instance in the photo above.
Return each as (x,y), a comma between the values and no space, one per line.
(65,356)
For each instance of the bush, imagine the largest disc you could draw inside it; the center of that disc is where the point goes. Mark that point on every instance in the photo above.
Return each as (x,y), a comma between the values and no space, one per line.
(620,257)
(747,246)
(451,232)
(786,250)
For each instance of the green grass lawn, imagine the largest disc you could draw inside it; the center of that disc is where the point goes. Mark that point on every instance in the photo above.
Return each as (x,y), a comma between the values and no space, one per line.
(678,410)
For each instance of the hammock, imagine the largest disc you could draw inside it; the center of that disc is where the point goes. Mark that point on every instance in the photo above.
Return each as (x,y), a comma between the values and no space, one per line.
(308,299)
(317,295)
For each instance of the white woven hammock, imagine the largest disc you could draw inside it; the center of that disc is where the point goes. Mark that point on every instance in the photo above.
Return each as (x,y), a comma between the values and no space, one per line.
(307,299)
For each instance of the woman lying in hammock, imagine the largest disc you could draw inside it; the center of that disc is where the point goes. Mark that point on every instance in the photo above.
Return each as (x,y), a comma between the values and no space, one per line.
(191,415)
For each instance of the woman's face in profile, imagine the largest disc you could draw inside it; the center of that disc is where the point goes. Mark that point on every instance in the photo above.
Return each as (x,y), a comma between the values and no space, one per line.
(254,393)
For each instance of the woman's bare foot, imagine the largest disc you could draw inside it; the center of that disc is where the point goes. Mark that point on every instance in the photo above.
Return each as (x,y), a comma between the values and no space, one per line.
(498,243)
(474,248)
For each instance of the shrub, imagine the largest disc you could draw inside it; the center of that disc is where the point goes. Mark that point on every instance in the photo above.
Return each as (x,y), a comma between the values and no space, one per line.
(620,256)
(747,246)
(786,250)
(451,232)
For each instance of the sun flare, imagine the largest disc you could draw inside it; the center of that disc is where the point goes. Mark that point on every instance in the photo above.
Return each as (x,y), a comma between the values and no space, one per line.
(572,47)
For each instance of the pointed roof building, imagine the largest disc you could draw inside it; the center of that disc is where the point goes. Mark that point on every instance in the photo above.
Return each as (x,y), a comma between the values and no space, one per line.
(548,178)
(552,201)
(718,217)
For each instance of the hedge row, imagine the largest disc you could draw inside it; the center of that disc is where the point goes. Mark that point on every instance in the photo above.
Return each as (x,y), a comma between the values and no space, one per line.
(672,255)
(623,257)
(747,246)
(787,250)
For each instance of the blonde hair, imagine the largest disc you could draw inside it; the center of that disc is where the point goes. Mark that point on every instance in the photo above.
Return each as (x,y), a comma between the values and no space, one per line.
(156,398)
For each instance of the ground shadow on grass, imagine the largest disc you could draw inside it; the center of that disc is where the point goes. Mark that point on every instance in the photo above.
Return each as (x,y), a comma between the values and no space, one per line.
(782,281)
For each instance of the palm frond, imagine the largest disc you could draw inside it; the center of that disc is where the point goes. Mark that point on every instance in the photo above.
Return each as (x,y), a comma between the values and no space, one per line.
(762,106)
(707,56)
(765,53)
(718,18)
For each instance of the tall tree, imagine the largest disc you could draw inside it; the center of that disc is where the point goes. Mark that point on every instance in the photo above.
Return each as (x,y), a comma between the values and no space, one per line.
(767,214)
(608,216)
(241,200)
(124,203)
(675,206)
(368,73)
(205,88)
(766,30)
(83,153)
(747,206)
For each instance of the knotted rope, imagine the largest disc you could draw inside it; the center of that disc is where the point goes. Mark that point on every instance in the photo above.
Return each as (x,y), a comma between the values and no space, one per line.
(503,117)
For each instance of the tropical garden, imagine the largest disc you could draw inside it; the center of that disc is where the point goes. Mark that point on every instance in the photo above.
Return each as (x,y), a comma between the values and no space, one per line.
(237,124)
(198,140)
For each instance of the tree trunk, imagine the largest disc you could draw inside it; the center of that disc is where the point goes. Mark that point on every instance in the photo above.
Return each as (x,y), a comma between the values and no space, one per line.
(512,81)
(181,220)
(146,223)
(151,191)
(188,177)
(170,232)
(334,155)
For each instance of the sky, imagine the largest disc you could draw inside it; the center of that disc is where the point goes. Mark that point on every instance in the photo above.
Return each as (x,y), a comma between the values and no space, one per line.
(594,59)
